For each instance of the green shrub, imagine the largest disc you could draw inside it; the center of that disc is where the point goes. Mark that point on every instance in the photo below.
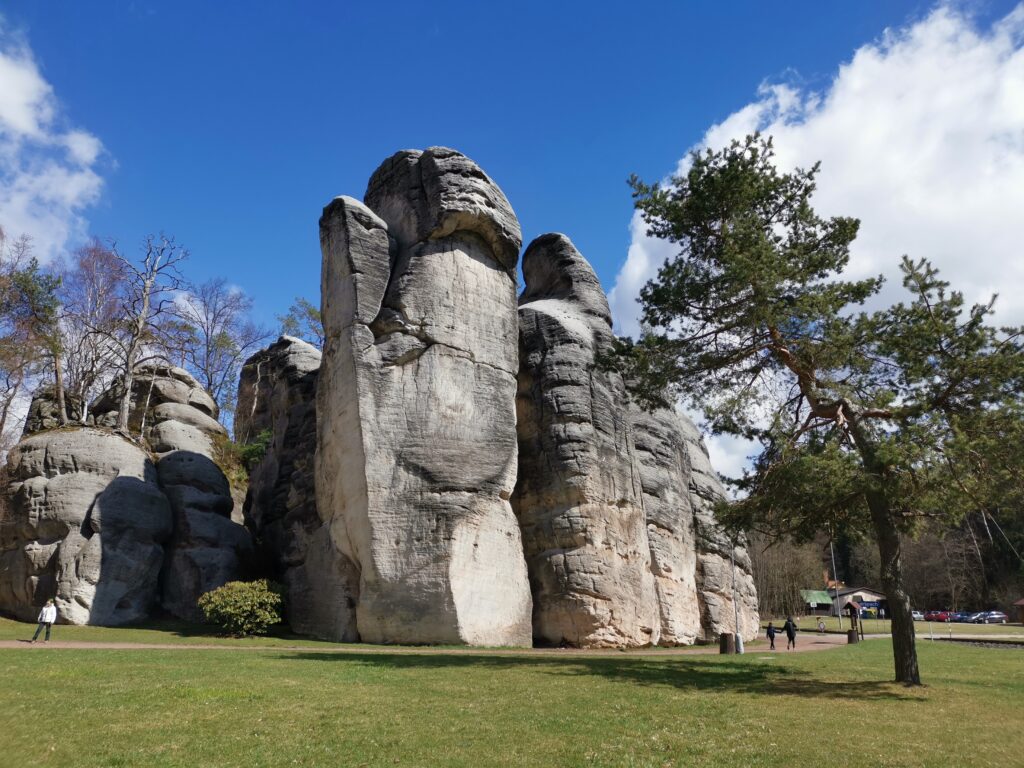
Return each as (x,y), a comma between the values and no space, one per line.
(243,608)
(252,453)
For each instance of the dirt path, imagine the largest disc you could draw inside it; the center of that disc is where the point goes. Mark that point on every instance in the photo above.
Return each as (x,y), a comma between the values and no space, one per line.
(804,643)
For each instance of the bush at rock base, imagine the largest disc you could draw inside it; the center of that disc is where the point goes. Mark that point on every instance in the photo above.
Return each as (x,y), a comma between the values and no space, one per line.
(243,608)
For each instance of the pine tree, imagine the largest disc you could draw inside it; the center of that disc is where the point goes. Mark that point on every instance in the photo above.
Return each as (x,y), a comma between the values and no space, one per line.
(864,419)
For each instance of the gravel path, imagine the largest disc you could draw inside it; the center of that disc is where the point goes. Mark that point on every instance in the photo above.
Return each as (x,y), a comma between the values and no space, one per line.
(804,643)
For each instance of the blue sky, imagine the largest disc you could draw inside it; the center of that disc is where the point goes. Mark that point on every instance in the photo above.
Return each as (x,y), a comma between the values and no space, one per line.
(230,125)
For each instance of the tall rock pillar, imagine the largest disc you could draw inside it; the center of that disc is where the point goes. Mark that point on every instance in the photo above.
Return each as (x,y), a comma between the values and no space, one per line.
(579,498)
(416,450)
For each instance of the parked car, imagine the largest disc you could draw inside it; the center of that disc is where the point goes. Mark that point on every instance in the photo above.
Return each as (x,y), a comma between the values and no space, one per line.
(937,616)
(961,617)
(993,617)
(977,618)
(917,615)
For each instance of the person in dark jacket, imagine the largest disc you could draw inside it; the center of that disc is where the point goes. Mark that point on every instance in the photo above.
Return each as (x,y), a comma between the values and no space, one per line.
(790,629)
(771,636)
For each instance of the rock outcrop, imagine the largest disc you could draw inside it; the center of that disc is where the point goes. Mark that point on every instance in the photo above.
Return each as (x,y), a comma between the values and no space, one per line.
(277,398)
(578,499)
(85,524)
(42,411)
(416,454)
(690,556)
(715,551)
(457,467)
(177,418)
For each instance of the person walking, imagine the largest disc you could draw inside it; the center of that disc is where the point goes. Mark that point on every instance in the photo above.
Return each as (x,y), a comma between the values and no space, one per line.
(790,629)
(771,636)
(46,618)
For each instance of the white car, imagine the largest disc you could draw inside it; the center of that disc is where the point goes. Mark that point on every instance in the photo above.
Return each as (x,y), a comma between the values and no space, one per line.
(917,615)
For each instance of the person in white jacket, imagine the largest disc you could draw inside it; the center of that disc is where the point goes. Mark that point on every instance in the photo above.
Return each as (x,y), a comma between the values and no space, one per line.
(46,618)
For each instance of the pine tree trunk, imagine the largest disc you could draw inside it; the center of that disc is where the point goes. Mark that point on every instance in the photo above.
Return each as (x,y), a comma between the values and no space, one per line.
(904,649)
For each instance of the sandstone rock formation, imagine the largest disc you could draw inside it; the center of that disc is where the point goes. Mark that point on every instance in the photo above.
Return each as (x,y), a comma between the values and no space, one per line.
(42,411)
(277,394)
(86,523)
(387,501)
(578,499)
(416,454)
(714,551)
(178,419)
(689,553)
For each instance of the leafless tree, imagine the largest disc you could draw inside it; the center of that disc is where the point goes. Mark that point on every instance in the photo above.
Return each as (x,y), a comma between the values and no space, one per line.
(92,289)
(219,336)
(781,569)
(144,310)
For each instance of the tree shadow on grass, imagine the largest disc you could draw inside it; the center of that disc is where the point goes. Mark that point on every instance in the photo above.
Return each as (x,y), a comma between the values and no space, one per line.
(680,673)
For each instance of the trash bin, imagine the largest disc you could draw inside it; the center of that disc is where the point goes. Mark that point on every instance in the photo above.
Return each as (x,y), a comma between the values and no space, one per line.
(851,636)
(727,643)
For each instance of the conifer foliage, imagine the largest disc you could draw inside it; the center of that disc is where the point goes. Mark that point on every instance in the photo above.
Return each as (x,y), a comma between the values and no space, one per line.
(868,421)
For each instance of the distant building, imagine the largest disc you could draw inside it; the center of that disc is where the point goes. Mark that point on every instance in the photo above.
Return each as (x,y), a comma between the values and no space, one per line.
(817,602)
(865,598)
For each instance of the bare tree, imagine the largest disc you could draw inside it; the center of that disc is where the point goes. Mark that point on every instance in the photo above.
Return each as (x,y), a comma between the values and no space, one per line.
(145,306)
(92,289)
(220,336)
(781,569)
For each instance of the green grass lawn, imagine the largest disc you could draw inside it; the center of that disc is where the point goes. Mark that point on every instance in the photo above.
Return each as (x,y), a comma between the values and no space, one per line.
(270,707)
(160,632)
(923,628)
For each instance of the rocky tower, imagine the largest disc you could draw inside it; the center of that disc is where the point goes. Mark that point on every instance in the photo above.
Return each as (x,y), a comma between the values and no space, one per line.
(715,551)
(277,392)
(85,524)
(416,455)
(578,499)
(178,419)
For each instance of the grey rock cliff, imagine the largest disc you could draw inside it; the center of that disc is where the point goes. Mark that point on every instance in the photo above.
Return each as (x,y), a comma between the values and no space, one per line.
(42,411)
(277,392)
(690,556)
(578,499)
(86,523)
(715,551)
(416,455)
(178,419)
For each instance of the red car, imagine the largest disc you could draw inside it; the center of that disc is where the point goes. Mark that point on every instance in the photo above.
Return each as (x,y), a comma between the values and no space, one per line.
(937,615)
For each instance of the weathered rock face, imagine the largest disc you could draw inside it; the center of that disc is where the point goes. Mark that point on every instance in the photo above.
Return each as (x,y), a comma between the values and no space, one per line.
(277,392)
(157,385)
(86,523)
(690,557)
(578,498)
(714,551)
(42,411)
(416,454)
(178,419)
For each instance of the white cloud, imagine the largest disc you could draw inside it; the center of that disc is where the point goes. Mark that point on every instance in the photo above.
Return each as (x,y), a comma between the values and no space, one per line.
(48,171)
(920,136)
